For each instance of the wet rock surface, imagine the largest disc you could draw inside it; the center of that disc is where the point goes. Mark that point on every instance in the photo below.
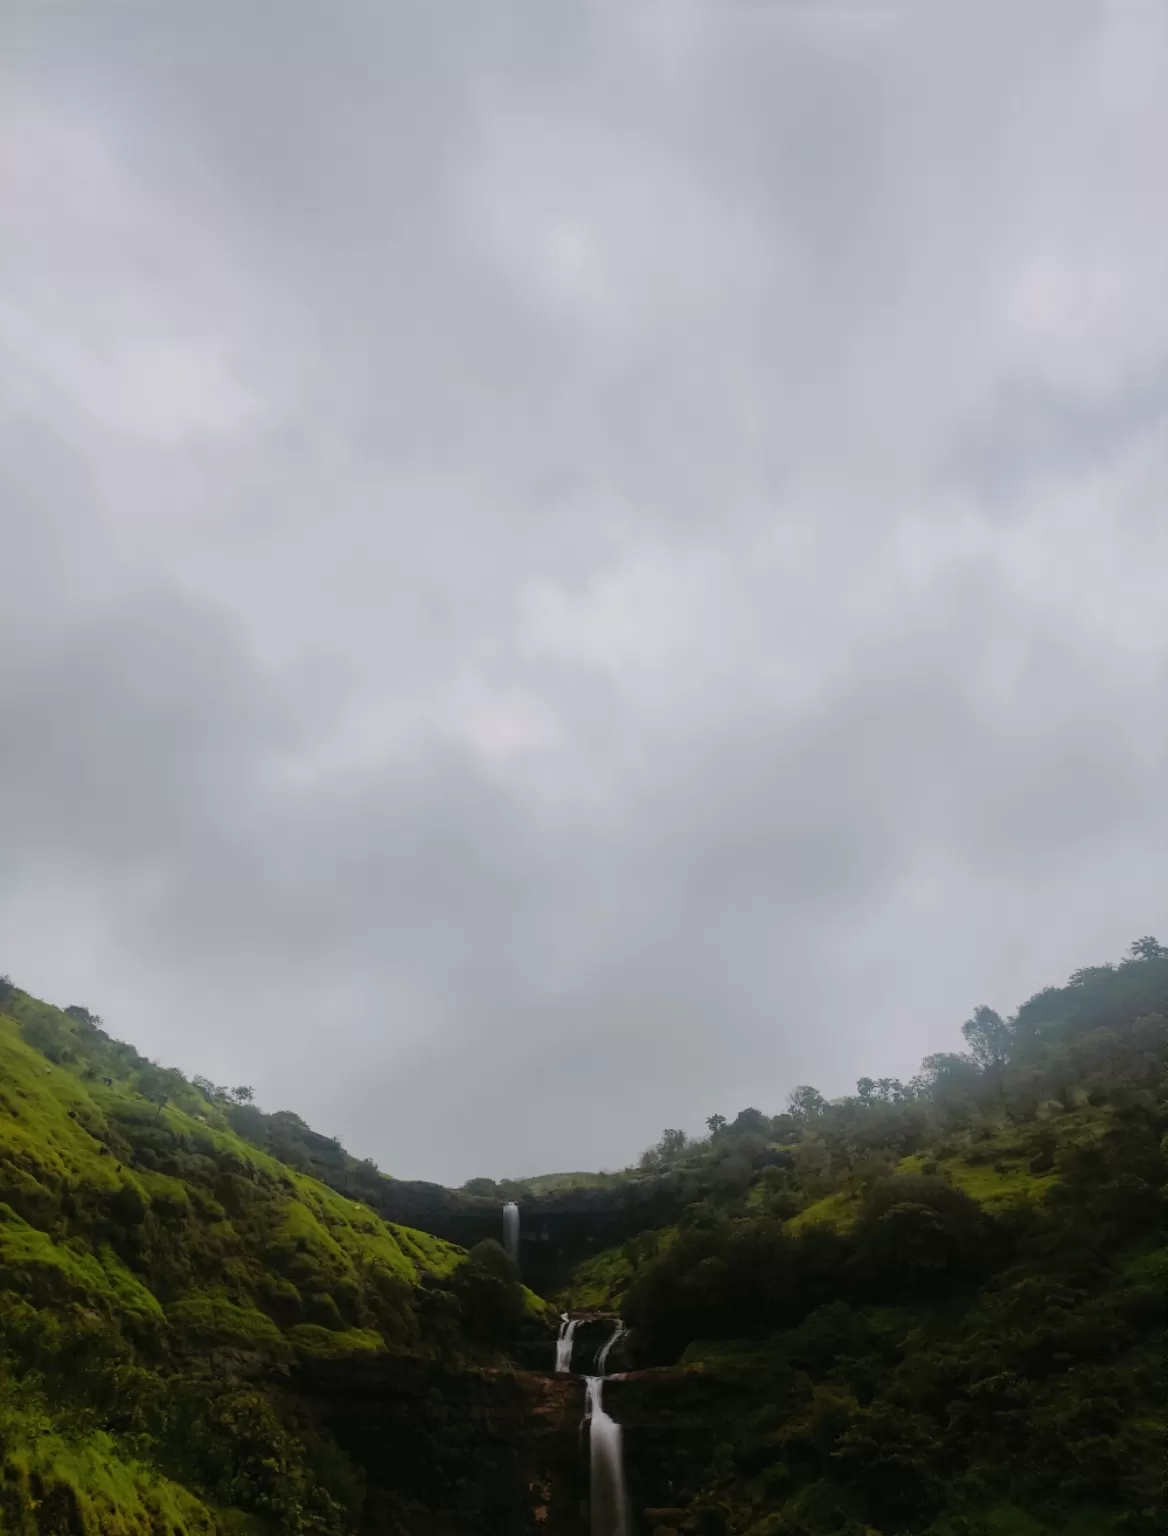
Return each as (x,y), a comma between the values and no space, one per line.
(450,1451)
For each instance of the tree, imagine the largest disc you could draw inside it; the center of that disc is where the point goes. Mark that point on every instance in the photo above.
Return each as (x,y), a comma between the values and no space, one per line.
(481,1187)
(243,1094)
(751,1121)
(156,1083)
(489,1292)
(672,1143)
(988,1036)
(715,1124)
(949,1076)
(891,1090)
(805,1102)
(81,1015)
(7,990)
(1148,948)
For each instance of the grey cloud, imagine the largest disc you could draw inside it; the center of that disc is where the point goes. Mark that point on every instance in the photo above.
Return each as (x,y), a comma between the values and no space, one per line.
(578,572)
(1032,430)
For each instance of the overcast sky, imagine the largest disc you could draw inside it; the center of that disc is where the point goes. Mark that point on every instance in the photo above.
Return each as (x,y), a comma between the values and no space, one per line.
(571,567)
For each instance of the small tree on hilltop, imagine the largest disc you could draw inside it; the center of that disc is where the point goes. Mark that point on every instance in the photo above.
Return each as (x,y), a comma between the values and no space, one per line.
(1148,948)
(481,1186)
(805,1102)
(988,1036)
(81,1015)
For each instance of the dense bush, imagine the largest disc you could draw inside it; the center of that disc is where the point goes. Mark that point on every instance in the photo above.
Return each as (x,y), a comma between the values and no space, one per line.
(965,1274)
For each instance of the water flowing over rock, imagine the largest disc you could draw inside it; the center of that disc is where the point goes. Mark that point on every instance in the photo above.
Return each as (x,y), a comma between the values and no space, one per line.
(608,1495)
(511,1229)
(602,1357)
(565,1341)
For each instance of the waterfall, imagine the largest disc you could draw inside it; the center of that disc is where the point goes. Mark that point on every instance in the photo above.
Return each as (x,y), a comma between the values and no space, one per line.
(602,1357)
(511,1229)
(607,1493)
(564,1343)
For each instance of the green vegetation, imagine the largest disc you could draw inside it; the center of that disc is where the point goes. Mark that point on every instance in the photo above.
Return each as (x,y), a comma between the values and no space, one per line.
(162,1284)
(928,1307)
(934,1306)
(599,1284)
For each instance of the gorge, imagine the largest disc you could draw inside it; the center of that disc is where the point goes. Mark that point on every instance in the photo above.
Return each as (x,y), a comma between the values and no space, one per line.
(929,1307)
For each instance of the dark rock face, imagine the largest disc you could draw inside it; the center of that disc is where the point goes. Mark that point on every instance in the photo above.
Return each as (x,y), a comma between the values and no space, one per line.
(669,1420)
(457,1452)
(592,1334)
(556,1231)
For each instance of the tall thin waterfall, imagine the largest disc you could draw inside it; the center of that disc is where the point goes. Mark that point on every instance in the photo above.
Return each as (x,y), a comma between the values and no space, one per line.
(511,1229)
(568,1328)
(608,1495)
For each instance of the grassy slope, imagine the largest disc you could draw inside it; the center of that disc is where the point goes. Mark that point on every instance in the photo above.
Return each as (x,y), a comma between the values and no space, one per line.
(232,1214)
(600,1282)
(158,1230)
(1112,1333)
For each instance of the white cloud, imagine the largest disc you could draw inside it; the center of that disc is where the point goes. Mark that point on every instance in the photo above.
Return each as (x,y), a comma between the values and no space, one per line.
(612,560)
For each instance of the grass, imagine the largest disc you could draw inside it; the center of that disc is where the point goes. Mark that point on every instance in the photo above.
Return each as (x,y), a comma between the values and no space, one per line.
(838,1210)
(68,1144)
(212,1320)
(87,1483)
(599,1283)
(152,1231)
(313,1342)
(554,1183)
(990,1184)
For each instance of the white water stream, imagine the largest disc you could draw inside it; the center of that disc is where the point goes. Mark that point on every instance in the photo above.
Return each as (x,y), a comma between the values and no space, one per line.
(608,1495)
(564,1343)
(511,1229)
(602,1357)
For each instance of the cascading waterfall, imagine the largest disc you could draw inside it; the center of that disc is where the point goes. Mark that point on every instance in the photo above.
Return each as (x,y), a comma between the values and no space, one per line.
(608,1495)
(511,1229)
(564,1343)
(602,1357)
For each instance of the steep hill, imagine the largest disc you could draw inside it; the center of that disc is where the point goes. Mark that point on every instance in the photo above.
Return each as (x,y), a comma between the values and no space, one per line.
(168,1293)
(929,1307)
(934,1306)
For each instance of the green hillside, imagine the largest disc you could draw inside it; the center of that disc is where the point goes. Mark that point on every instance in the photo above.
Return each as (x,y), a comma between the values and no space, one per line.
(935,1306)
(931,1307)
(162,1281)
